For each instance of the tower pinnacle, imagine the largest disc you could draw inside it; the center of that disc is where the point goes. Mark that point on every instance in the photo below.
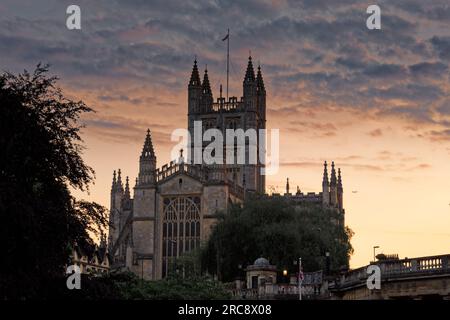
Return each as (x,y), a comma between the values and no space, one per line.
(119,181)
(206,87)
(325,174)
(195,76)
(147,150)
(287,185)
(340,191)
(333,175)
(147,162)
(114,182)
(207,97)
(339,181)
(325,185)
(127,188)
(260,80)
(250,73)
(333,187)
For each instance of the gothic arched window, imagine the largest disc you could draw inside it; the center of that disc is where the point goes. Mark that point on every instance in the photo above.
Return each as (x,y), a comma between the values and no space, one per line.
(181,229)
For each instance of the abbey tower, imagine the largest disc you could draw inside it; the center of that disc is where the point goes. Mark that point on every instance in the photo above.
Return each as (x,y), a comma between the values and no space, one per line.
(248,112)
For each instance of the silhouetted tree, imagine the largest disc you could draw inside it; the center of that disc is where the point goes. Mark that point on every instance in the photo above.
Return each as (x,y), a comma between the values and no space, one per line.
(40,160)
(280,231)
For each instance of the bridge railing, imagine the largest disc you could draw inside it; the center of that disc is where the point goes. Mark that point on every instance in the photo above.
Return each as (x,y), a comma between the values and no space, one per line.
(398,269)
(415,265)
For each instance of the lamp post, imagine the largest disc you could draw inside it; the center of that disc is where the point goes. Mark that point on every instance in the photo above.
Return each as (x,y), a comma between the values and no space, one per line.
(374,248)
(300,278)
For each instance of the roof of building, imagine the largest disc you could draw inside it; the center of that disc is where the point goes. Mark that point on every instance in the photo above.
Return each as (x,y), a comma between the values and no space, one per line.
(90,252)
(261,262)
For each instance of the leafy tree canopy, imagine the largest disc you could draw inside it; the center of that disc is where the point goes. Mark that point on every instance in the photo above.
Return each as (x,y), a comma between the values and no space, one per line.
(280,231)
(40,158)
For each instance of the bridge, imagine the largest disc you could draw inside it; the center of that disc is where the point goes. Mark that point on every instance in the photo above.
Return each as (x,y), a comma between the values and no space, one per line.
(416,278)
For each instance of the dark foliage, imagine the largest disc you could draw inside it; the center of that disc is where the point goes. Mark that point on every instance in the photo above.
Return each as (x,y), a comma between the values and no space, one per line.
(130,287)
(40,159)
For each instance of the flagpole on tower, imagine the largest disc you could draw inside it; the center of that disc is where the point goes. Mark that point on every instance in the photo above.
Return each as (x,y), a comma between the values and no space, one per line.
(228,59)
(227,37)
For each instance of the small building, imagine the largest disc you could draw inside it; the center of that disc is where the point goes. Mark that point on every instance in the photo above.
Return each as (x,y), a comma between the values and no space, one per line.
(91,260)
(260,273)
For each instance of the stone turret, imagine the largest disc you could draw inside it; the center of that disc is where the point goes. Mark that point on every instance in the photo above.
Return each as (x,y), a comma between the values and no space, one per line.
(114,182)
(126,200)
(127,188)
(194,90)
(207,96)
(261,122)
(325,186)
(340,191)
(333,187)
(250,87)
(287,186)
(147,163)
(252,120)
(261,95)
(144,203)
(111,211)
(119,185)
(117,194)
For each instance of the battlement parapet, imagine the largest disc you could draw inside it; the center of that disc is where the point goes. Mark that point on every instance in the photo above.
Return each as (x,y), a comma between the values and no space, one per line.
(233,104)
(299,197)
(212,174)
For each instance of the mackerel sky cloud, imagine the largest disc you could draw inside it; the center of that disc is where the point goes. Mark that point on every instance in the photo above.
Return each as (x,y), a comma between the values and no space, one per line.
(375,101)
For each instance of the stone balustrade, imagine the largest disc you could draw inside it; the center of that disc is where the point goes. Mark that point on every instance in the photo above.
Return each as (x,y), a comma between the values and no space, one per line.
(392,269)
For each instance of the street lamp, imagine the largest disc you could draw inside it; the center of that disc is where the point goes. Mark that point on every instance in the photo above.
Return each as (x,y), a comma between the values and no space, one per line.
(374,248)
(300,278)
(327,263)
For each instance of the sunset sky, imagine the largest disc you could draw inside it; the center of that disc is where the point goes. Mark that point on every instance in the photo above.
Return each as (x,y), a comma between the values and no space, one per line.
(374,101)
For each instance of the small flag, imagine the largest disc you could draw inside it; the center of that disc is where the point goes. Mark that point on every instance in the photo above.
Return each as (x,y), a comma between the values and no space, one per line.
(226,37)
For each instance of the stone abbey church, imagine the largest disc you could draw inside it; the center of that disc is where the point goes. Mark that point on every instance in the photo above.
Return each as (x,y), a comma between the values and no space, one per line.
(174,207)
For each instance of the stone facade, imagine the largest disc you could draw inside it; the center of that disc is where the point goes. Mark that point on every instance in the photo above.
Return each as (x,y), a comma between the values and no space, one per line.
(174,207)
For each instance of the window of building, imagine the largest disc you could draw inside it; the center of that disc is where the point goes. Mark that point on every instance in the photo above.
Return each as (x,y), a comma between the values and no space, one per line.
(181,217)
